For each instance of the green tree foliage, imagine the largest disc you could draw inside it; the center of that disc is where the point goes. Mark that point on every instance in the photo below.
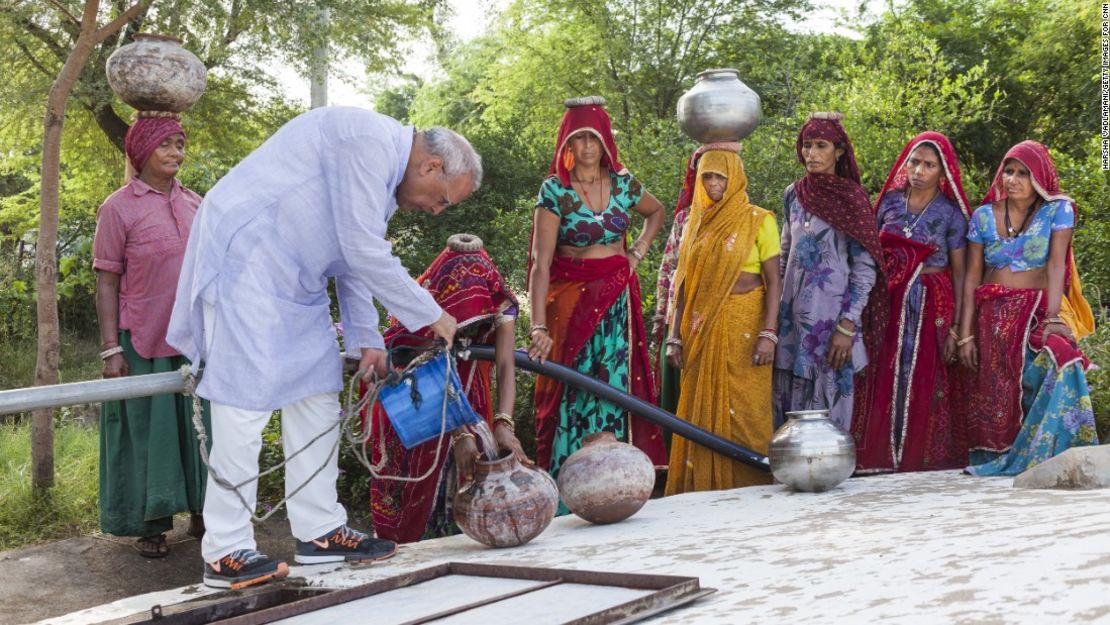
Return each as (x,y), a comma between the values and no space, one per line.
(987,73)
(504,91)
(241,107)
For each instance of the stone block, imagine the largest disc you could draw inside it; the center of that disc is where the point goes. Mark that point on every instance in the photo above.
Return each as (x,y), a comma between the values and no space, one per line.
(1076,468)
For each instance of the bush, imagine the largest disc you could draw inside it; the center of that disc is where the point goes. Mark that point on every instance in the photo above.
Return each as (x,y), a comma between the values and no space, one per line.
(1097,348)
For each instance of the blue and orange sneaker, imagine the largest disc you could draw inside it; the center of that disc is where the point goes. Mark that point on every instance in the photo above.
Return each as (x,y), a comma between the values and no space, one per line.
(242,568)
(344,544)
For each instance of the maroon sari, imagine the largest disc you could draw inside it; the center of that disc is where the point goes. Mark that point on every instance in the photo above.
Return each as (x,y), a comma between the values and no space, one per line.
(467,285)
(930,438)
(994,389)
(932,435)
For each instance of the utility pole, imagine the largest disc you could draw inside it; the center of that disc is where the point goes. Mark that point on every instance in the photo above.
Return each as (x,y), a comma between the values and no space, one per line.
(319,68)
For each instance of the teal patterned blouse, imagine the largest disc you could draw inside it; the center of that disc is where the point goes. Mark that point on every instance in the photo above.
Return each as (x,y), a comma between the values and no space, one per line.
(579,226)
(1028,250)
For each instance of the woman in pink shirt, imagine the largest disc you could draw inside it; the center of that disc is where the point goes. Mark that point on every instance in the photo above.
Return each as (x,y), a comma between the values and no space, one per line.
(150,466)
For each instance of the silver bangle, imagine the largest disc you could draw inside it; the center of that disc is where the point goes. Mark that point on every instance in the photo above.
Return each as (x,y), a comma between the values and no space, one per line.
(770,336)
(111,351)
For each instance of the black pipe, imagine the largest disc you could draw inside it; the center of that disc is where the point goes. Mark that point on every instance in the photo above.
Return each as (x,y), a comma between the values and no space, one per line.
(633,404)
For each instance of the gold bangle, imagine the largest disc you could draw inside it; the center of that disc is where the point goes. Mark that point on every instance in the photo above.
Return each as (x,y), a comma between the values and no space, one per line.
(458,436)
(965,340)
(845,331)
(506,419)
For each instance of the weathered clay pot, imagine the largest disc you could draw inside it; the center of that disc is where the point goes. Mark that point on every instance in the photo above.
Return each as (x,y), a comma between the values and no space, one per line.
(507,504)
(156,74)
(810,453)
(719,107)
(606,480)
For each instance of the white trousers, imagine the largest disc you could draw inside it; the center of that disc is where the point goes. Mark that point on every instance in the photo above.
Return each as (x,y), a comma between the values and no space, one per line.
(236,442)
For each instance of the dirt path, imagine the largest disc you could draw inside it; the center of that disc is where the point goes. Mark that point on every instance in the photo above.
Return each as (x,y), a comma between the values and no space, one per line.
(57,578)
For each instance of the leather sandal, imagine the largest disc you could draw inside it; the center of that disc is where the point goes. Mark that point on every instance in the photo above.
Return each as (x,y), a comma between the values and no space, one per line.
(152,546)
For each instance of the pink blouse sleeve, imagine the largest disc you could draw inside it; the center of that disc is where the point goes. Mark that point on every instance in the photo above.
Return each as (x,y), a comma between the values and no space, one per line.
(110,240)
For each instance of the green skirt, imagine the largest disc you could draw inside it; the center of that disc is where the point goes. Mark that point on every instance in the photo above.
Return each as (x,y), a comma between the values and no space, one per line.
(668,386)
(150,466)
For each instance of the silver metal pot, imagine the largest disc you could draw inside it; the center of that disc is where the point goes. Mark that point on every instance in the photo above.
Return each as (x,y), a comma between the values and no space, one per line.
(719,107)
(811,453)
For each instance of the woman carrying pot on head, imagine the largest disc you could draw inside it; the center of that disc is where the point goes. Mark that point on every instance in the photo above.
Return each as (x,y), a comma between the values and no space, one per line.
(1028,398)
(723,332)
(922,216)
(150,465)
(467,285)
(585,297)
(833,295)
(664,285)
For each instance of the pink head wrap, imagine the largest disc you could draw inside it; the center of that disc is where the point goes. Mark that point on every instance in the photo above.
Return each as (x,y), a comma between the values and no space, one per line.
(144,136)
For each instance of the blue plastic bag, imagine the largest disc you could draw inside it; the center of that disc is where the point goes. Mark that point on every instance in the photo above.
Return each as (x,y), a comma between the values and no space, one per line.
(414,404)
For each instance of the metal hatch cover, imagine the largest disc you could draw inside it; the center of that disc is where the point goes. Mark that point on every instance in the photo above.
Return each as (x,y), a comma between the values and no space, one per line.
(454,593)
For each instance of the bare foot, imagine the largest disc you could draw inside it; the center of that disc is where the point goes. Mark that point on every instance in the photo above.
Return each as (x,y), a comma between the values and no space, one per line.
(196,526)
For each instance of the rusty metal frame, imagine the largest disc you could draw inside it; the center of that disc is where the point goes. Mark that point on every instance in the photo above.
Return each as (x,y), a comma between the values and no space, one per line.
(269,604)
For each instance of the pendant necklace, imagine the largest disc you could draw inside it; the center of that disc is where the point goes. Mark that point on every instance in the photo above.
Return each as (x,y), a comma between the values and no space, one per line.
(589,202)
(1011,232)
(908,228)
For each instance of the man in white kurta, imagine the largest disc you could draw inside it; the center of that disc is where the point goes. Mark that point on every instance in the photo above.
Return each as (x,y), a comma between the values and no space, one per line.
(252,304)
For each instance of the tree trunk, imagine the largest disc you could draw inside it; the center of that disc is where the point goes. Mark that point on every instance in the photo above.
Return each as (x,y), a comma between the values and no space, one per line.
(46,266)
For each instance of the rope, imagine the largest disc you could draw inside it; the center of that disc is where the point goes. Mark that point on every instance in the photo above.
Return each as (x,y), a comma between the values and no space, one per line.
(349,425)
(359,438)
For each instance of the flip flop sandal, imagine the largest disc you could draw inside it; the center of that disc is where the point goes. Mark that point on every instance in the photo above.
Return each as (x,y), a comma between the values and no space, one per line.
(160,548)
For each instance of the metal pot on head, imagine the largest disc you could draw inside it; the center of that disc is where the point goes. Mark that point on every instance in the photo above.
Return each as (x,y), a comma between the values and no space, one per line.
(719,107)
(810,453)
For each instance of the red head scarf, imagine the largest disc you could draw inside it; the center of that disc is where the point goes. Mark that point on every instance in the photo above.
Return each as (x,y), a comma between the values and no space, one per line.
(144,136)
(1042,170)
(837,199)
(840,201)
(586,114)
(827,126)
(950,184)
(1046,182)
(465,283)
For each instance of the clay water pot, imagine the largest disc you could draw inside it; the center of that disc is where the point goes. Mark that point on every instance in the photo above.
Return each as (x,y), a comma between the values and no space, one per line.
(810,453)
(156,74)
(606,480)
(507,504)
(719,107)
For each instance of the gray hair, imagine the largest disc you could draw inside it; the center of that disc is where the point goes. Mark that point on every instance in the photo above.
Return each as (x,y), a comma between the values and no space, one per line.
(459,157)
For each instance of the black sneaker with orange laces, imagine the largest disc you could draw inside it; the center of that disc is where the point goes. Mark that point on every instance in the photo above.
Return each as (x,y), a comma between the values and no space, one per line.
(241,568)
(344,544)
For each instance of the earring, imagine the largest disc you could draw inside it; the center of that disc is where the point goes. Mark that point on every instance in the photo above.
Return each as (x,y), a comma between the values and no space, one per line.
(568,159)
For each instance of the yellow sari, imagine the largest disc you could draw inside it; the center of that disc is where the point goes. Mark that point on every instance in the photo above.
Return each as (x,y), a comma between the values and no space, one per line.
(721,391)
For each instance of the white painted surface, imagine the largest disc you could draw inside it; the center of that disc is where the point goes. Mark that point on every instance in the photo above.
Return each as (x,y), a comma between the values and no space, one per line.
(917,548)
(405,604)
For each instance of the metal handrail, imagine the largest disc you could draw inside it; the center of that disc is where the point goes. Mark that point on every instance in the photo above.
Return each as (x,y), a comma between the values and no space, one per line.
(52,396)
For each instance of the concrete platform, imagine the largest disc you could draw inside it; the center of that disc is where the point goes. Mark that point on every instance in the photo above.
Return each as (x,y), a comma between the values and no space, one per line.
(917,548)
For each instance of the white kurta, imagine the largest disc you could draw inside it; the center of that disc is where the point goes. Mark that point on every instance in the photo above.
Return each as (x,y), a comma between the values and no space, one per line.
(310,204)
